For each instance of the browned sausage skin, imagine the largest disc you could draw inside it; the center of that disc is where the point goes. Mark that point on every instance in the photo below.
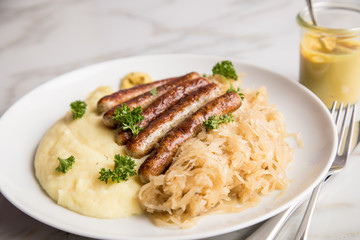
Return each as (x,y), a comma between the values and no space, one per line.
(146,98)
(116,98)
(109,101)
(142,144)
(160,159)
(162,103)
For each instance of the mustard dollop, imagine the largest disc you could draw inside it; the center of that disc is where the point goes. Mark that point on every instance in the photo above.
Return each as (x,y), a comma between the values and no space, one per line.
(133,79)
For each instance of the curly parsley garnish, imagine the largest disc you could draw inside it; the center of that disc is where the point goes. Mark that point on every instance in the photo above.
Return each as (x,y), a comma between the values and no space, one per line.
(123,169)
(78,109)
(225,69)
(238,91)
(65,164)
(128,119)
(153,92)
(214,121)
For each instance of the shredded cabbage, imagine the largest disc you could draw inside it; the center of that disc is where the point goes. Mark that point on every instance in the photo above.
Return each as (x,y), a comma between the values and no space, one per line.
(243,160)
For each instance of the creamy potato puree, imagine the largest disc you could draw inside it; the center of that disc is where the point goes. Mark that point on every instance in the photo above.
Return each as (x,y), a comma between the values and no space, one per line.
(93,146)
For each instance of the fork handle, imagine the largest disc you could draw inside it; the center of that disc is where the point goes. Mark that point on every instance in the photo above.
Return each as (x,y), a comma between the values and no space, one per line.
(303,230)
(271,228)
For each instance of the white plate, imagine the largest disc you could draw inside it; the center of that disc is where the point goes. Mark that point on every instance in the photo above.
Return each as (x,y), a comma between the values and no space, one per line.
(24,124)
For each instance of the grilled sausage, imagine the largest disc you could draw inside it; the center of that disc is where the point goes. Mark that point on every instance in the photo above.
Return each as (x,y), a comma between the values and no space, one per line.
(160,159)
(145,99)
(162,103)
(142,144)
(116,98)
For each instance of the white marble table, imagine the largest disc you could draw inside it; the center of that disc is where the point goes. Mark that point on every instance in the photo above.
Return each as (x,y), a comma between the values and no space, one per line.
(41,39)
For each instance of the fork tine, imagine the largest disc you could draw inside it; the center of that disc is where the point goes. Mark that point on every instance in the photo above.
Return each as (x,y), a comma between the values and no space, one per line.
(333,108)
(350,134)
(333,112)
(342,127)
(339,114)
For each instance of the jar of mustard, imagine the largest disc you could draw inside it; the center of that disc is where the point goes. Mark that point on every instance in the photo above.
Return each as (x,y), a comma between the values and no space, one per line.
(330,52)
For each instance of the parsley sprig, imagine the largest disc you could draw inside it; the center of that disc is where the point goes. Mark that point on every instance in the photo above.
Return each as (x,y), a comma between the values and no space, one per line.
(128,119)
(65,164)
(238,91)
(78,109)
(123,169)
(153,92)
(225,69)
(214,121)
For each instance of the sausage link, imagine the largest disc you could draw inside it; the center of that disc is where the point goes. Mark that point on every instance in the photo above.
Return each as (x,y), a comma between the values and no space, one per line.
(162,103)
(160,159)
(142,144)
(116,98)
(145,99)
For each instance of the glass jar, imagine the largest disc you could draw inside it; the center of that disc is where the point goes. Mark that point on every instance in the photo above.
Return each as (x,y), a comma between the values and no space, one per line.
(330,52)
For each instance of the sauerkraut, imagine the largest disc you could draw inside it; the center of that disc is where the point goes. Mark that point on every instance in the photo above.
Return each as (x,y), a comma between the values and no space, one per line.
(241,161)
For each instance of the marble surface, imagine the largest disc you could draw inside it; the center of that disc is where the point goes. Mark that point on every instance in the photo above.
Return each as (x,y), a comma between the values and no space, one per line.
(41,39)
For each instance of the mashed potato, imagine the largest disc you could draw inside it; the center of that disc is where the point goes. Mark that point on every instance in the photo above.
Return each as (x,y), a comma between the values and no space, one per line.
(93,146)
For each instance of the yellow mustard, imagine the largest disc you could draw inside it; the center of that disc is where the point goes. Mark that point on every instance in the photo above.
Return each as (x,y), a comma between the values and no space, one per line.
(330,67)
(133,79)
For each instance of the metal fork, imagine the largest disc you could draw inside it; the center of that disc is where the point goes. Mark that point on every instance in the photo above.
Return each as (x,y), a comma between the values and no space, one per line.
(338,164)
(270,229)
